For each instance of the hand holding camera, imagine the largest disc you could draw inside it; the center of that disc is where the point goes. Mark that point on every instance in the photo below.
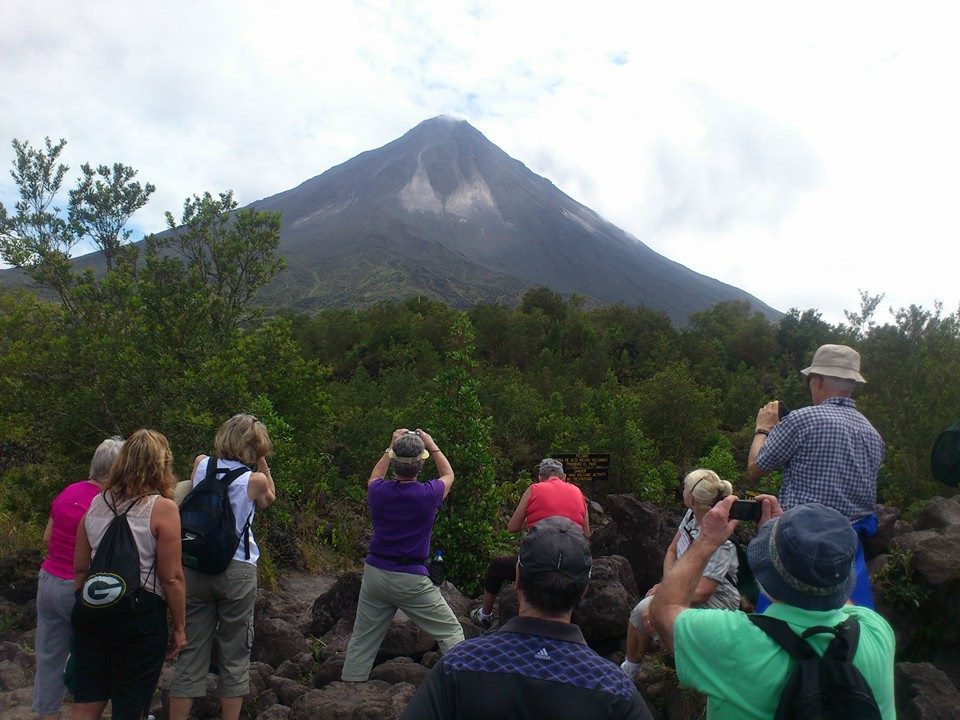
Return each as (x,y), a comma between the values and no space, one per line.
(768,416)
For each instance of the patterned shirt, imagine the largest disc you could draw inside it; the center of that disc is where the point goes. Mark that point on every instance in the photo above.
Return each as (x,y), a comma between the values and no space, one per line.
(530,669)
(829,454)
(723,566)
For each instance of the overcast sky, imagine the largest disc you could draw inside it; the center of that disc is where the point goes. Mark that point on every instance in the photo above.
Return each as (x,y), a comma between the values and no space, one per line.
(799,153)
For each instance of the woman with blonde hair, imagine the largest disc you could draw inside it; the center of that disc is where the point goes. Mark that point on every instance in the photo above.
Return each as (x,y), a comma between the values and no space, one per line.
(717,587)
(118,656)
(221,605)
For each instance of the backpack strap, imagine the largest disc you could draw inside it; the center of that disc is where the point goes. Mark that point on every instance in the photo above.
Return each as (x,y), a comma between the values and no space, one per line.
(246,536)
(229,475)
(113,507)
(780,632)
(211,468)
(843,647)
(227,479)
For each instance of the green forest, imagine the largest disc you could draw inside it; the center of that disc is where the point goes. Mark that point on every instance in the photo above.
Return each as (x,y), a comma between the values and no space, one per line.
(170,336)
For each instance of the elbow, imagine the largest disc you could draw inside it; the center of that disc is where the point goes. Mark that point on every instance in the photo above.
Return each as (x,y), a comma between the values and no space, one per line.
(662,617)
(174,583)
(754,470)
(700,597)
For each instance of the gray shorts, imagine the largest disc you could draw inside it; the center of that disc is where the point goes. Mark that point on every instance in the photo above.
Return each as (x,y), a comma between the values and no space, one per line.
(636,615)
(55,600)
(218,606)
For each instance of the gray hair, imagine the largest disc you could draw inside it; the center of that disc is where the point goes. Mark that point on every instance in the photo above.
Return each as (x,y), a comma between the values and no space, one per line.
(103,458)
(407,448)
(837,384)
(551,467)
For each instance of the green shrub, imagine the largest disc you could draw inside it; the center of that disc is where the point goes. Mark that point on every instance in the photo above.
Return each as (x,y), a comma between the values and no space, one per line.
(896,583)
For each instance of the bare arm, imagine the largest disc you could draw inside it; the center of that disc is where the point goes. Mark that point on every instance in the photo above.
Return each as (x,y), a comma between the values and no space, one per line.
(586,523)
(519,516)
(670,558)
(82,553)
(767,418)
(260,487)
(705,588)
(440,460)
(380,468)
(196,463)
(676,591)
(48,533)
(165,525)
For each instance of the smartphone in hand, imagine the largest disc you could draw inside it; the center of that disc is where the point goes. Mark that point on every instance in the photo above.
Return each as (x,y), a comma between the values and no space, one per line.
(746,510)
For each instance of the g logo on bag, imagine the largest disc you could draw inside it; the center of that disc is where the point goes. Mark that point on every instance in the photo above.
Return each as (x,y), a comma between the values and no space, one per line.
(103,590)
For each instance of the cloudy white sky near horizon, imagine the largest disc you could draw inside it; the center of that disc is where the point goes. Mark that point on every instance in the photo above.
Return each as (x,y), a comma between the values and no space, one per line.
(800,153)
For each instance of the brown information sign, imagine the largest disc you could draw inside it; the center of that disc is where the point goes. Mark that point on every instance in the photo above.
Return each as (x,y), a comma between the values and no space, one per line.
(583,468)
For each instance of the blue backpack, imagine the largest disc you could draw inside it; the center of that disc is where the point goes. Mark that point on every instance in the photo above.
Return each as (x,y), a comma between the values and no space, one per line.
(208,526)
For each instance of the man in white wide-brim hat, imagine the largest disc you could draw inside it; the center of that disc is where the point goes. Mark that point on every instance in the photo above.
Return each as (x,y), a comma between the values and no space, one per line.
(829,452)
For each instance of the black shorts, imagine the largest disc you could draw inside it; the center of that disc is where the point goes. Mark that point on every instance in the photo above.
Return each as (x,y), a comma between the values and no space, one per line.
(500,570)
(119,658)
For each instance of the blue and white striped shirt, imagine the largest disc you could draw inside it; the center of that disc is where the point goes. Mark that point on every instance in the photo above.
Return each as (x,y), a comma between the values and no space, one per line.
(829,454)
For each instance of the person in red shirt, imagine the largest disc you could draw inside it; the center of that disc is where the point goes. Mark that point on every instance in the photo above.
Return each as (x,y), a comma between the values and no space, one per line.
(550,496)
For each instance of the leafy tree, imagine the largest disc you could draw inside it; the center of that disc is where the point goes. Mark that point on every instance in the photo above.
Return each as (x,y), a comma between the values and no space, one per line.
(37,238)
(677,414)
(465,528)
(102,204)
(233,254)
(799,335)
(861,321)
(913,368)
(720,459)
(551,303)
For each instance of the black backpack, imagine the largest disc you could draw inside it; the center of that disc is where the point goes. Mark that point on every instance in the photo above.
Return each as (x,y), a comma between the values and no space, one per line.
(112,587)
(208,527)
(821,688)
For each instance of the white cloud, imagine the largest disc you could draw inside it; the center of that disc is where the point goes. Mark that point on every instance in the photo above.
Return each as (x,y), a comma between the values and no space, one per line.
(800,153)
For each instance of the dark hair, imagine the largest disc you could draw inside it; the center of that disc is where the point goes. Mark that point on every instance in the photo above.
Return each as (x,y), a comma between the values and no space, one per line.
(550,592)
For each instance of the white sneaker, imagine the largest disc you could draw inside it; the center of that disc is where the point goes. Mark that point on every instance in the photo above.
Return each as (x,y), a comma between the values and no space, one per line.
(477,619)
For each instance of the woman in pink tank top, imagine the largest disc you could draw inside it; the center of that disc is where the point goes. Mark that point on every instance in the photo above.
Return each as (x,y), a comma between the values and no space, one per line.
(551,495)
(55,584)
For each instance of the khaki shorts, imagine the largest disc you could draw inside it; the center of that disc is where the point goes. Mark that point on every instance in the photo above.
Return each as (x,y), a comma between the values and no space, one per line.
(221,607)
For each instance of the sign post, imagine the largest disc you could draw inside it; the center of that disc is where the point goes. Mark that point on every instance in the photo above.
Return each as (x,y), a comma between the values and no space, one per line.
(585,468)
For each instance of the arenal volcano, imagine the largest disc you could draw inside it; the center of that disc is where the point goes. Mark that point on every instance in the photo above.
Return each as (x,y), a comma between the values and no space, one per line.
(444,213)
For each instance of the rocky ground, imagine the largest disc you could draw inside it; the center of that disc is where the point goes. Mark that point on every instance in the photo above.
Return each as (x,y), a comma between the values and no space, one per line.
(302,629)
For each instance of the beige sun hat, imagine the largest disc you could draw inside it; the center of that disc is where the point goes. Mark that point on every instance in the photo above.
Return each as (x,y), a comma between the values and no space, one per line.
(837,361)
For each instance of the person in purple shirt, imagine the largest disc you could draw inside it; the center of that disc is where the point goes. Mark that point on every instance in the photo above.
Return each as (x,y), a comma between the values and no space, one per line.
(395,574)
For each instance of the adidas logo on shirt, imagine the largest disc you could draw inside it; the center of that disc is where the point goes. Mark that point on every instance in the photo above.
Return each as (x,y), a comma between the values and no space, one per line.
(542,654)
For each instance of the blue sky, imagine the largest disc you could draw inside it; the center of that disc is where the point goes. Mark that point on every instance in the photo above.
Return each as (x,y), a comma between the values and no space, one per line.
(801,153)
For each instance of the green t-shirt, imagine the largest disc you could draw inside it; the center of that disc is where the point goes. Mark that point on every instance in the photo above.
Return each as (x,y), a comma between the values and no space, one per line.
(742,670)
